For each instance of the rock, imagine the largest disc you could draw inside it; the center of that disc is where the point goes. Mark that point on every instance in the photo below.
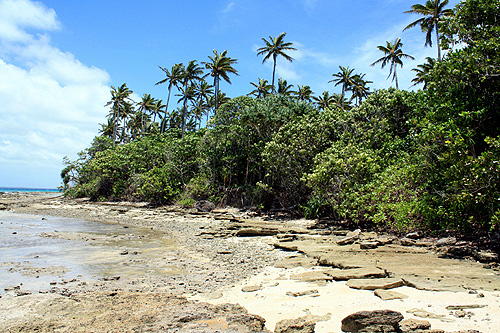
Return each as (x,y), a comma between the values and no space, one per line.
(468,306)
(356,273)
(446,241)
(296,261)
(384,240)
(302,293)
(11,288)
(373,284)
(354,233)
(347,240)
(384,320)
(387,295)
(333,260)
(19,292)
(413,235)
(460,251)
(364,245)
(204,206)
(486,256)
(411,325)
(287,246)
(249,289)
(312,276)
(425,314)
(253,232)
(407,241)
(299,325)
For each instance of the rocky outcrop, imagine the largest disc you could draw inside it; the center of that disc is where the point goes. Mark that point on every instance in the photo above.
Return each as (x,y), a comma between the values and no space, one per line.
(372,321)
(299,325)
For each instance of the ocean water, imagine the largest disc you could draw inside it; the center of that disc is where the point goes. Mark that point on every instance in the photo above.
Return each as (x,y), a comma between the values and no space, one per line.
(24,189)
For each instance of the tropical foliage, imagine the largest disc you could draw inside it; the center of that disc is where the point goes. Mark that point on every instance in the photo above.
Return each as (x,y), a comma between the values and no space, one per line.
(400,159)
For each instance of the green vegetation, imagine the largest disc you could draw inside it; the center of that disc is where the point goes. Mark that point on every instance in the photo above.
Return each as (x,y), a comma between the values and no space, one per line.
(426,159)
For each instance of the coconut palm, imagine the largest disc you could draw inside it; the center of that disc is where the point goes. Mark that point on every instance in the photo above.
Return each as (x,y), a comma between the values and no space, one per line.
(190,74)
(345,78)
(284,89)
(432,12)
(220,66)
(275,47)
(173,78)
(120,104)
(422,71)
(393,55)
(145,106)
(303,93)
(262,89)
(324,100)
(158,108)
(203,92)
(359,88)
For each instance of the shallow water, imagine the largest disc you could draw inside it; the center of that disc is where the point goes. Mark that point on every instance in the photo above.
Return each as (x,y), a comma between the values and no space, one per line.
(36,250)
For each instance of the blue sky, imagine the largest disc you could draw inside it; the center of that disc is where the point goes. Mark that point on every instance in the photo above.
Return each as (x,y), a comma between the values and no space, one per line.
(58,59)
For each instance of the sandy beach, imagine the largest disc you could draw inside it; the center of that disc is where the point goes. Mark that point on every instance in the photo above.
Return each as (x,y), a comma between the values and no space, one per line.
(197,263)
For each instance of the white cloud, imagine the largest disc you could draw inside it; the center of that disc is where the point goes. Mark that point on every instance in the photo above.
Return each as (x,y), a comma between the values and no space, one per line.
(51,102)
(17,15)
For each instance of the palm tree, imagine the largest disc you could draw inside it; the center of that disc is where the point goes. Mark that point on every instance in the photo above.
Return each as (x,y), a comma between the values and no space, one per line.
(340,101)
(422,72)
(120,104)
(220,66)
(304,93)
(324,100)
(262,89)
(345,78)
(191,73)
(432,12)
(144,107)
(158,107)
(275,47)
(359,88)
(284,88)
(393,55)
(173,78)
(203,92)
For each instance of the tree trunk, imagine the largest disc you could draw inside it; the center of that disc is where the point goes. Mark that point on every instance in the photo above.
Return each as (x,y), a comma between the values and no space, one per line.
(274,71)
(437,42)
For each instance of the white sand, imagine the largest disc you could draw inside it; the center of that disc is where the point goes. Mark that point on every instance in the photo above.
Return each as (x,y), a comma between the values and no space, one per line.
(337,301)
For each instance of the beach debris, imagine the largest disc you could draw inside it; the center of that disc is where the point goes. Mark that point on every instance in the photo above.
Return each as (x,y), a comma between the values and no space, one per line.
(372,321)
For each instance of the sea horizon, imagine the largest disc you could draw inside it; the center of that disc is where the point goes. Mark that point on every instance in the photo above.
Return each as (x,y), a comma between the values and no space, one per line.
(27,189)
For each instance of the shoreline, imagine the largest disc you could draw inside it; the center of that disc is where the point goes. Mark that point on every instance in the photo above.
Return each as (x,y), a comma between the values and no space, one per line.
(220,263)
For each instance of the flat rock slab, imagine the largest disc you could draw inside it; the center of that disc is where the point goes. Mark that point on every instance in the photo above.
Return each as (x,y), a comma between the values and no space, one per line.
(249,289)
(373,284)
(334,260)
(312,276)
(292,262)
(313,292)
(356,273)
(387,295)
